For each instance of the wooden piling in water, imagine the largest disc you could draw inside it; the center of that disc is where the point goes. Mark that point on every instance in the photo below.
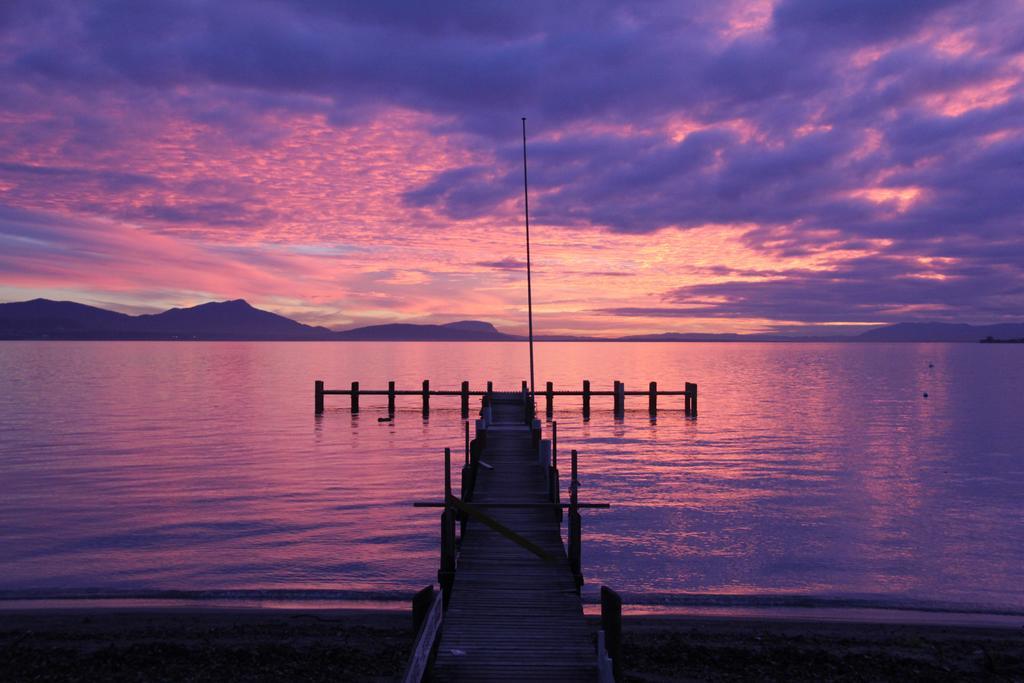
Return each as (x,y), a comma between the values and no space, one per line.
(586,399)
(575,526)
(549,395)
(554,444)
(553,480)
(619,398)
(465,399)
(318,396)
(446,573)
(426,397)
(652,399)
(691,399)
(391,397)
(355,397)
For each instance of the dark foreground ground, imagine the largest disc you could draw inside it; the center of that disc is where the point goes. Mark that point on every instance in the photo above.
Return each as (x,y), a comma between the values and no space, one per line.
(356,645)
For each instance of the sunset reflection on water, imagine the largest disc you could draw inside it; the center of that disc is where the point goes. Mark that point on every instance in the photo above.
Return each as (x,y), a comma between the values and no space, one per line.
(814,470)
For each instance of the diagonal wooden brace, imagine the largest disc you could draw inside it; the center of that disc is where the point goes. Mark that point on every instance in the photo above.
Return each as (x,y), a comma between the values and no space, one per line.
(473,512)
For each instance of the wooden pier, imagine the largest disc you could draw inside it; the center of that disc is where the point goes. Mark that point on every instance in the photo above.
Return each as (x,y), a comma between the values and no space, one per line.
(509,608)
(618,394)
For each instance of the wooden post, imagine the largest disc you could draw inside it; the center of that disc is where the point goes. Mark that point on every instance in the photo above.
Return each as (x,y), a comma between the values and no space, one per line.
(447,473)
(535,434)
(467,442)
(575,526)
(554,444)
(465,399)
(446,574)
(652,399)
(421,603)
(619,398)
(611,624)
(693,400)
(490,388)
(586,399)
(318,397)
(550,396)
(355,397)
(391,397)
(553,482)
(426,397)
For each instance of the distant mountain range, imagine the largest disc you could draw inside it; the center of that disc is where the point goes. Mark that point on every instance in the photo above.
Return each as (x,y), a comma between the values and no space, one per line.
(237,320)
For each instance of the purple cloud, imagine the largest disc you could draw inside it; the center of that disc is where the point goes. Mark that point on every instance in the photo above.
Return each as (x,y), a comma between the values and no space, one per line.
(891,129)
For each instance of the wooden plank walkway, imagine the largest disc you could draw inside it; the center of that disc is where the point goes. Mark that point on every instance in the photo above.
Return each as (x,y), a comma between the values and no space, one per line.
(512,616)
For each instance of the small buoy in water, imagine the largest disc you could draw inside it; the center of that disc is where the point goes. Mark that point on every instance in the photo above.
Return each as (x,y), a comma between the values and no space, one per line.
(926,394)
(931,365)
(383,419)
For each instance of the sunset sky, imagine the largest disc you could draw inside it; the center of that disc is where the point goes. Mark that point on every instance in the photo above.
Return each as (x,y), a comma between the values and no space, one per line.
(704,166)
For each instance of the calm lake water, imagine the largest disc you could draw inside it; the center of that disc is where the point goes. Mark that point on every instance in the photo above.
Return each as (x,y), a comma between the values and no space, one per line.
(815,473)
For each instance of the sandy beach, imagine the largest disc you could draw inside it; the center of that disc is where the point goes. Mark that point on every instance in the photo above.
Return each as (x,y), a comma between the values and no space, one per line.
(179,644)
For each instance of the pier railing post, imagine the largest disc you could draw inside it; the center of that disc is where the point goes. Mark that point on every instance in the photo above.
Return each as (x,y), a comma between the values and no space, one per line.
(575,526)
(318,397)
(586,399)
(421,603)
(446,574)
(467,484)
(355,397)
(535,434)
(465,399)
(549,394)
(391,397)
(426,397)
(490,389)
(555,494)
(554,444)
(652,399)
(693,400)
(611,624)
(447,473)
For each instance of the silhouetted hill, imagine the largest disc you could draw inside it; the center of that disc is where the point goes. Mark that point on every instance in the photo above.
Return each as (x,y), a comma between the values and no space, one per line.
(941,332)
(45,319)
(56,319)
(693,336)
(226,320)
(465,330)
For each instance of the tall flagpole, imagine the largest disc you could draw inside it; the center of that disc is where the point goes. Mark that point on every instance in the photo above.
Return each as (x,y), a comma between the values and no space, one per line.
(529,281)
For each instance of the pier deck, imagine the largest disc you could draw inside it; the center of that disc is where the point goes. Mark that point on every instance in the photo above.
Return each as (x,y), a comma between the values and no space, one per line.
(511,614)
